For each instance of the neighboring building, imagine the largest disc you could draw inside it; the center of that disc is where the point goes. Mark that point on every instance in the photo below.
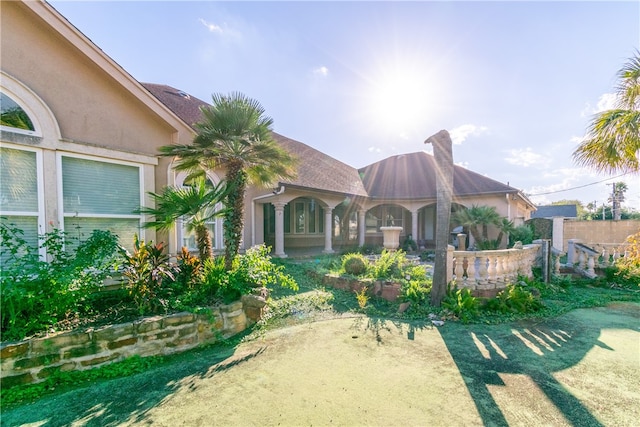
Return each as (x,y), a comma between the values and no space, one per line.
(79,150)
(550,211)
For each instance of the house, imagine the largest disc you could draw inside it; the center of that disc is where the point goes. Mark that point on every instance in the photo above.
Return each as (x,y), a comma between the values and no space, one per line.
(551,211)
(79,150)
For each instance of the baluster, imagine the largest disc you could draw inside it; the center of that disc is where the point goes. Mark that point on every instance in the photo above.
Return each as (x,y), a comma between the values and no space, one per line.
(482,270)
(491,269)
(459,271)
(556,264)
(591,262)
(500,278)
(471,281)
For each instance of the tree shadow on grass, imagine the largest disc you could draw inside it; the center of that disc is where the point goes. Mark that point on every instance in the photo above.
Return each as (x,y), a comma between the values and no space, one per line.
(536,350)
(128,399)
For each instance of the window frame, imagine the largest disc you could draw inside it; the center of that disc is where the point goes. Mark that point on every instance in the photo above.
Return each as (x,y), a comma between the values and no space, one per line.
(62,215)
(40,214)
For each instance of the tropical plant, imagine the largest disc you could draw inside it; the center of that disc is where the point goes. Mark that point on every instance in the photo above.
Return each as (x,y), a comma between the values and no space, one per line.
(478,219)
(461,304)
(522,233)
(235,134)
(612,142)
(145,271)
(194,203)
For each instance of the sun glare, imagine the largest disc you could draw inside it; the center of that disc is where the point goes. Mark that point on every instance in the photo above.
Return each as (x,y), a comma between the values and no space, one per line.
(400,98)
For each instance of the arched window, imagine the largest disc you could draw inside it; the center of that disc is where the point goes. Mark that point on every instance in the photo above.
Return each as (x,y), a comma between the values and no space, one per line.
(187,238)
(13,117)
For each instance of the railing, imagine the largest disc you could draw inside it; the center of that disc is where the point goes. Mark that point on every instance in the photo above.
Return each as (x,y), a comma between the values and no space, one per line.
(585,258)
(486,270)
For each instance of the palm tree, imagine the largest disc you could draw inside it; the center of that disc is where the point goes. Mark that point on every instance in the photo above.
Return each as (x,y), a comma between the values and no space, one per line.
(194,204)
(613,137)
(234,134)
(478,218)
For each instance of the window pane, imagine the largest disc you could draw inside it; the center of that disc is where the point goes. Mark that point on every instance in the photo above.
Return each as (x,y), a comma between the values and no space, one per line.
(81,228)
(18,180)
(29,227)
(189,237)
(12,115)
(299,217)
(313,212)
(321,219)
(287,219)
(98,187)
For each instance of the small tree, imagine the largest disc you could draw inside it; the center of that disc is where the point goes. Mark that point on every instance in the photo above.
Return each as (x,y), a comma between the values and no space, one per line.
(194,204)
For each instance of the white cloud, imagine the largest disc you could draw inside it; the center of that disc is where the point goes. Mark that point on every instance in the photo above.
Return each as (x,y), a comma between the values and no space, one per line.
(375,150)
(607,101)
(213,28)
(321,71)
(461,133)
(527,157)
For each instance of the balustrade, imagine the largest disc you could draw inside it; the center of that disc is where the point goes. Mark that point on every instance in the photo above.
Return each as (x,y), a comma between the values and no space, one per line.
(491,269)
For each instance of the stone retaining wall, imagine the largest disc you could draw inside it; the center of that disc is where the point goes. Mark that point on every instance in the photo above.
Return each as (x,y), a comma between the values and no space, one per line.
(33,360)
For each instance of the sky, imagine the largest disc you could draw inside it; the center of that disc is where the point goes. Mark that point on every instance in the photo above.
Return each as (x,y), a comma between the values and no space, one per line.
(515,83)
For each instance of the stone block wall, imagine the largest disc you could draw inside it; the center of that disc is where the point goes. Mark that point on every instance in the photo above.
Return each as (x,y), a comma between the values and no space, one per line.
(33,360)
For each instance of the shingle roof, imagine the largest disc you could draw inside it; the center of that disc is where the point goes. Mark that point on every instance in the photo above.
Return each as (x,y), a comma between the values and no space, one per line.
(319,171)
(413,176)
(183,105)
(566,211)
(316,170)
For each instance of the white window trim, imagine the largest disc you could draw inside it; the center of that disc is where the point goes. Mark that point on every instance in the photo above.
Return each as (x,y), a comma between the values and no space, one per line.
(40,186)
(62,215)
(218,237)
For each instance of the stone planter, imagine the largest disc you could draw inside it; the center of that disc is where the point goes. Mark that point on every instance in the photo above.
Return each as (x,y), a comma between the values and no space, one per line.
(391,237)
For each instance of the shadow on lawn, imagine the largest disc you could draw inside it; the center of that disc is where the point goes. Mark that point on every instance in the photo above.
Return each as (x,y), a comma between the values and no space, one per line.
(536,350)
(128,399)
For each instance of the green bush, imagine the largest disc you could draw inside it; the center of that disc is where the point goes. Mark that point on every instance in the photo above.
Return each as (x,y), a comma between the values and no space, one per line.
(37,294)
(461,304)
(355,264)
(416,291)
(515,298)
(522,233)
(146,270)
(389,265)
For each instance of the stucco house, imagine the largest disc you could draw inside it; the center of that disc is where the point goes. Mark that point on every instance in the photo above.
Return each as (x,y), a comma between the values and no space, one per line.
(87,156)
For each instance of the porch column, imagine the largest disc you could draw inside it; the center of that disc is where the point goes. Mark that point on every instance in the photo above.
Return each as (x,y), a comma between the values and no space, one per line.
(328,229)
(279,251)
(414,225)
(362,215)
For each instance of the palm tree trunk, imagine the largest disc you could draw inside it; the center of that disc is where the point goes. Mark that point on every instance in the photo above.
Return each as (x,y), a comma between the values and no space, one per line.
(203,241)
(444,183)
(237,181)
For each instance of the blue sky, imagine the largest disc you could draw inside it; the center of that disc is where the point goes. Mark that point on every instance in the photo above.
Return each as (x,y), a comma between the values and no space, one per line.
(515,83)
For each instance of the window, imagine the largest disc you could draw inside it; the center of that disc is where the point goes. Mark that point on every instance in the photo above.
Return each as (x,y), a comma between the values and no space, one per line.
(188,238)
(100,195)
(384,216)
(20,197)
(13,116)
(307,217)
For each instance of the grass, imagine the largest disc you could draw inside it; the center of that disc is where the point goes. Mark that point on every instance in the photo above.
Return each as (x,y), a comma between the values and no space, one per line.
(313,303)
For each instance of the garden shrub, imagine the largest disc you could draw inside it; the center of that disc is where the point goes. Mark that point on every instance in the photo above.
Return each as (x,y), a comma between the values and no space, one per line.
(355,264)
(37,294)
(389,265)
(522,233)
(146,270)
(416,291)
(626,271)
(515,298)
(461,304)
